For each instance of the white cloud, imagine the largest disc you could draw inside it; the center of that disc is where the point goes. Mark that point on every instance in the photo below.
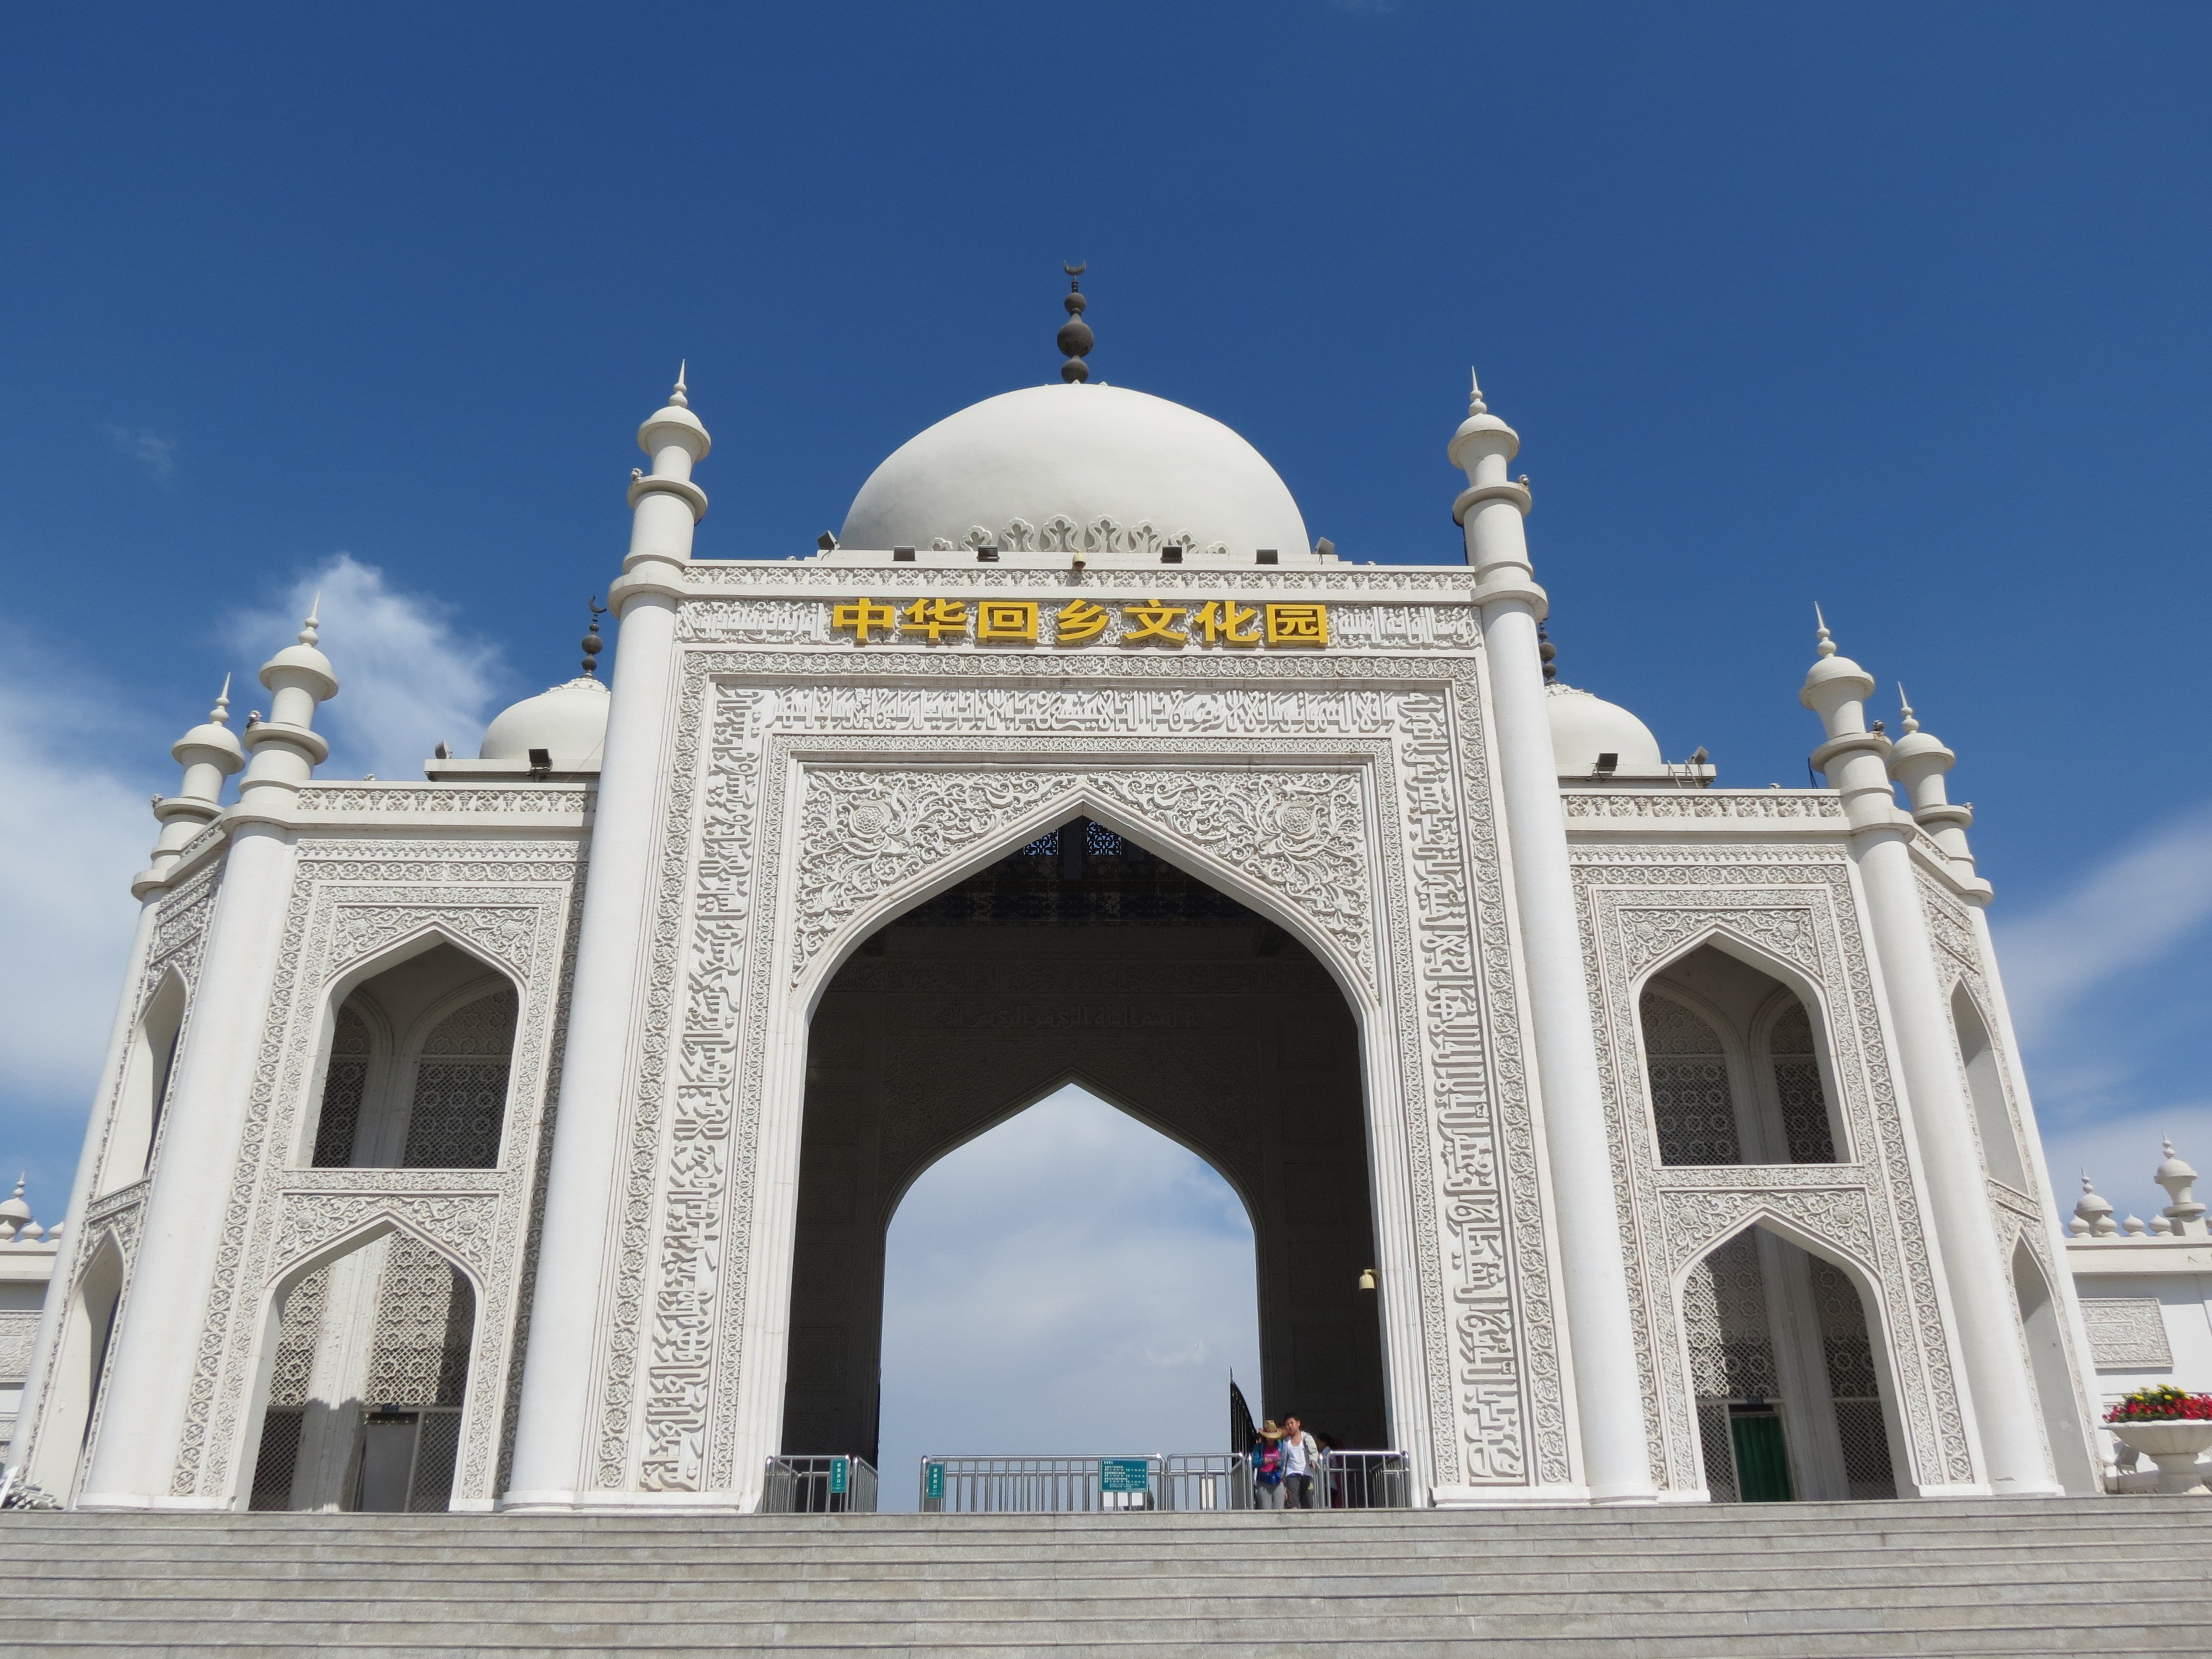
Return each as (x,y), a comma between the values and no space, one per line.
(2126,913)
(156,453)
(1069,1282)
(408,678)
(72,833)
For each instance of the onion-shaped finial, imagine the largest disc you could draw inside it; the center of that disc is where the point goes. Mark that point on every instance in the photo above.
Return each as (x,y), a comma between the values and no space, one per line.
(1075,338)
(592,643)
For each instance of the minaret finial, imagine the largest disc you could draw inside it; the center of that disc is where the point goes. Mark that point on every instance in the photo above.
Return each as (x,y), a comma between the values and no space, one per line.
(1827,645)
(1548,653)
(678,398)
(1075,336)
(219,714)
(308,634)
(592,643)
(1904,711)
(1474,404)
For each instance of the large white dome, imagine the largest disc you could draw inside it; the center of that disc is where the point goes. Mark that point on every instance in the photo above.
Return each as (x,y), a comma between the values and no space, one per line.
(1585,727)
(569,722)
(1013,465)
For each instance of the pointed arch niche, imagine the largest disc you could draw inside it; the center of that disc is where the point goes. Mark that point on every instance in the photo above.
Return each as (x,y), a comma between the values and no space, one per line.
(80,1368)
(146,1071)
(421,1048)
(1793,1397)
(363,1383)
(1737,1065)
(1082,956)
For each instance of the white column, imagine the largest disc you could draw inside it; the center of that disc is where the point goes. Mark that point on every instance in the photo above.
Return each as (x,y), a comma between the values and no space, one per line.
(558,1427)
(1982,1307)
(1608,1384)
(156,1346)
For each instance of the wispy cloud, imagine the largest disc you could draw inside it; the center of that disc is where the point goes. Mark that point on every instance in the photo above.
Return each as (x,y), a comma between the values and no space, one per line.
(409,677)
(156,453)
(2108,983)
(1102,1310)
(2129,912)
(72,831)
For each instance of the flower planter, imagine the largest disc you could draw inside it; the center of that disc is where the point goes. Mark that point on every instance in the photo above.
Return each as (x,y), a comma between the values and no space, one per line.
(2173,1445)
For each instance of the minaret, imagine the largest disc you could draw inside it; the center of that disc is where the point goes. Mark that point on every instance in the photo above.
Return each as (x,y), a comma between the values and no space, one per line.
(1983,1304)
(1918,760)
(557,1428)
(209,754)
(156,1344)
(1608,1391)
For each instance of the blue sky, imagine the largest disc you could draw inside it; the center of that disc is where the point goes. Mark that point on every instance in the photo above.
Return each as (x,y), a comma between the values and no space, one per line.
(1900,308)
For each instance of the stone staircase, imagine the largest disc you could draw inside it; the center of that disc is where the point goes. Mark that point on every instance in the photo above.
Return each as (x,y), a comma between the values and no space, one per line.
(2115,1576)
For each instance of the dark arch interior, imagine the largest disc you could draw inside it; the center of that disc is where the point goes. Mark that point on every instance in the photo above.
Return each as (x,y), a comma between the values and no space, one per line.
(1083,958)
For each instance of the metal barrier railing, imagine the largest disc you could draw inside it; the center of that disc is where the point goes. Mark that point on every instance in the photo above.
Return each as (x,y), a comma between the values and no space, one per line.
(1188,1481)
(1366,1481)
(824,1485)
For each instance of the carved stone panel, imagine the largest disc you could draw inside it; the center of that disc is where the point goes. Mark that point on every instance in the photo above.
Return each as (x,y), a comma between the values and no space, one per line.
(813,796)
(351,900)
(1794,906)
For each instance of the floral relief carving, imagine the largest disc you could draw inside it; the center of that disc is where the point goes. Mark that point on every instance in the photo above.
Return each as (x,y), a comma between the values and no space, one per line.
(464,1225)
(1695,1221)
(1770,806)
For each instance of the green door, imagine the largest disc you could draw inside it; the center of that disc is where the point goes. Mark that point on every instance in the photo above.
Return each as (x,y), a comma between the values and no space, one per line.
(1762,1462)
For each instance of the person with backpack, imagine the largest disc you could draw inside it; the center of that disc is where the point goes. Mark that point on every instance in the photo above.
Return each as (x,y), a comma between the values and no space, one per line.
(1267,1468)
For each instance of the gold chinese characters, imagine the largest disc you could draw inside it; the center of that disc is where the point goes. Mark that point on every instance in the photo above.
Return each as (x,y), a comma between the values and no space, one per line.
(1083,621)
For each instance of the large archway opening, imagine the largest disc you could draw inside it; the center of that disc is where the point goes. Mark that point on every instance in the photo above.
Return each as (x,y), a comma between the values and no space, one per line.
(1104,1309)
(1084,958)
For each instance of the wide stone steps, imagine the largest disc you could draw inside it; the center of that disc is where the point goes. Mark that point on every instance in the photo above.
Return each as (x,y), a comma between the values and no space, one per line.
(1983,1578)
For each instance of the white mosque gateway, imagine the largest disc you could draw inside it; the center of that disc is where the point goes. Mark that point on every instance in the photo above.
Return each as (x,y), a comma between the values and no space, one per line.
(526,1137)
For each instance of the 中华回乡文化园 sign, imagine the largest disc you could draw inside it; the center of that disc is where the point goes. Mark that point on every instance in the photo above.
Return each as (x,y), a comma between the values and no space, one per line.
(1084,621)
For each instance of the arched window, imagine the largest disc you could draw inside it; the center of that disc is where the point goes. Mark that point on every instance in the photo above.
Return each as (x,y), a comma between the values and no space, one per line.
(147,1067)
(2001,1156)
(1782,1364)
(1692,1102)
(1735,1066)
(365,1394)
(419,1066)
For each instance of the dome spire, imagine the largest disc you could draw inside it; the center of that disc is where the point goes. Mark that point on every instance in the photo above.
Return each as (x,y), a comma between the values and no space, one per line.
(680,398)
(1075,338)
(592,644)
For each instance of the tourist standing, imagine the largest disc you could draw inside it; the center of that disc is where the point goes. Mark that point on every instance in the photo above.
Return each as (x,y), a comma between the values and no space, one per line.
(1267,1468)
(1301,1462)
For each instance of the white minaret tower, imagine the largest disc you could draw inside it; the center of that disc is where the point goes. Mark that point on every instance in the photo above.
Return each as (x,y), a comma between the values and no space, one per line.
(1983,1305)
(1609,1390)
(157,1337)
(557,1431)
(208,753)
(1918,760)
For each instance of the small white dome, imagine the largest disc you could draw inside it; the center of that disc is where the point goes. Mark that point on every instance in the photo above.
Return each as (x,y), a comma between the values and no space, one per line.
(1585,727)
(1081,453)
(569,722)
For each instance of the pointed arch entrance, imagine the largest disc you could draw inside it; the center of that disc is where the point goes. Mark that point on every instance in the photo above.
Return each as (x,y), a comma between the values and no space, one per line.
(1083,956)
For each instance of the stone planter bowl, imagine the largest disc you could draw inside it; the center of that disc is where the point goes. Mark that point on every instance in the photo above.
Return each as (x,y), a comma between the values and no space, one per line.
(2173,1445)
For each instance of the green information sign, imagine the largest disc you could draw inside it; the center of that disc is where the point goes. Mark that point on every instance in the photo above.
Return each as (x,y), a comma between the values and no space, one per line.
(1125,1474)
(933,1480)
(841,1476)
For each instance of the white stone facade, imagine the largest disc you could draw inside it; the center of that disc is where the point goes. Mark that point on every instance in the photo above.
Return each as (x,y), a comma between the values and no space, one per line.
(798,754)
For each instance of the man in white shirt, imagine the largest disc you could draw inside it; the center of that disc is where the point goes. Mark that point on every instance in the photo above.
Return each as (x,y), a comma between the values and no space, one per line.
(1301,1462)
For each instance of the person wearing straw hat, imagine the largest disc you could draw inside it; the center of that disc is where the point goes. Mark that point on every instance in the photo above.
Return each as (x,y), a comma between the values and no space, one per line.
(1267,1468)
